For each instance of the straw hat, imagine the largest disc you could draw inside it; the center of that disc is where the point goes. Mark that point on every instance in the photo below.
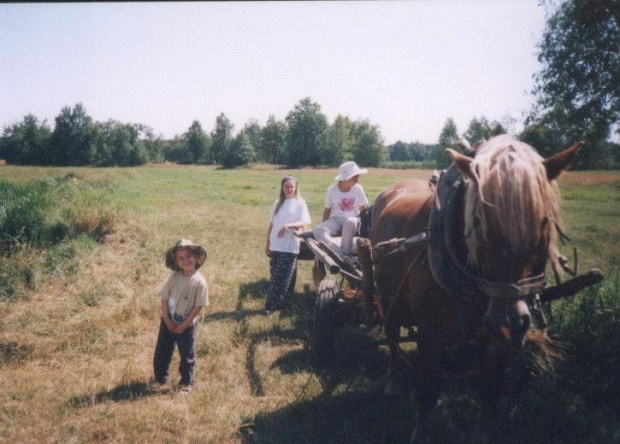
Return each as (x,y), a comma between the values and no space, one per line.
(348,170)
(199,253)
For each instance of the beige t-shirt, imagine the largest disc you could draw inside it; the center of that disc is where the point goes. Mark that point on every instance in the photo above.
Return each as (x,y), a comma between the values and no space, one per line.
(184,293)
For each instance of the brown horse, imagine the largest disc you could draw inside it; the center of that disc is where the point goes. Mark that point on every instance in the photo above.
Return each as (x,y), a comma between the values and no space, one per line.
(491,233)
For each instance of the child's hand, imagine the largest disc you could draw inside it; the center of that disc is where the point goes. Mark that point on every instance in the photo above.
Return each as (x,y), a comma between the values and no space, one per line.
(179,329)
(282,232)
(171,326)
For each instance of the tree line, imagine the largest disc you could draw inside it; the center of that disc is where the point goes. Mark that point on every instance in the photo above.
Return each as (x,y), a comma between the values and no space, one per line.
(577,98)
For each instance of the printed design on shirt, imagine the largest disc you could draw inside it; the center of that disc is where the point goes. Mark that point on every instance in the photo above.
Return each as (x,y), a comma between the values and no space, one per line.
(347,204)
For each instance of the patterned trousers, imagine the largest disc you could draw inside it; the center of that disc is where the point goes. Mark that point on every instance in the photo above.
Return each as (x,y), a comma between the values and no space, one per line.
(283,267)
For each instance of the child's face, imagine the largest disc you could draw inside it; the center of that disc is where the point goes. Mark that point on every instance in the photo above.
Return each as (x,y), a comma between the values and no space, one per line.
(289,188)
(186,262)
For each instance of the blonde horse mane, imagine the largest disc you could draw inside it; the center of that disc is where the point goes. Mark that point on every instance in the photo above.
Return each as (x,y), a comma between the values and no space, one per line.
(510,194)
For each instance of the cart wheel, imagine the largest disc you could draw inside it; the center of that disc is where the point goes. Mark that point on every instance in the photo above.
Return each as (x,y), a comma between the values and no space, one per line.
(325,323)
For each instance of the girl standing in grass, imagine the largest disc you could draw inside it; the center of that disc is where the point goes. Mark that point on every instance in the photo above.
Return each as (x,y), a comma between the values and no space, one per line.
(182,297)
(288,212)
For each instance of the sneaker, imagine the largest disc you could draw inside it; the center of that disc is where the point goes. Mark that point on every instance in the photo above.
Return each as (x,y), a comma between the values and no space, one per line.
(186,389)
(156,386)
(351,262)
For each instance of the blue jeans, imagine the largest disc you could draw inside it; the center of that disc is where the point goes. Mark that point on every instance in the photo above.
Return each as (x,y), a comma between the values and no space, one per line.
(166,340)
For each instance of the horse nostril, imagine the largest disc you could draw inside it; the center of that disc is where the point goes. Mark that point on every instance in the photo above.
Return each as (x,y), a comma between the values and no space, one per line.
(520,321)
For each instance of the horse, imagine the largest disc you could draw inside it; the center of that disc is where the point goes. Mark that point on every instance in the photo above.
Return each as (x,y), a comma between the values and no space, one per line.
(492,228)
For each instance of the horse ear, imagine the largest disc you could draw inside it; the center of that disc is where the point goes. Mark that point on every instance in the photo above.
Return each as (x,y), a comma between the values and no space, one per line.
(462,162)
(560,161)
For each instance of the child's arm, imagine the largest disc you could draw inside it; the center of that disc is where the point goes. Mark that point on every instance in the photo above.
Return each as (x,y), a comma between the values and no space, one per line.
(326,213)
(267,246)
(188,321)
(291,226)
(166,316)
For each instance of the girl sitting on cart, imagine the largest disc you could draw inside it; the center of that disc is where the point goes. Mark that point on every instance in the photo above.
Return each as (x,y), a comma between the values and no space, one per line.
(344,201)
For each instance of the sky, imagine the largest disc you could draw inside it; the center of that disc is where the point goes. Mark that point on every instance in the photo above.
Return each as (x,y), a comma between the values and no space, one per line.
(405,66)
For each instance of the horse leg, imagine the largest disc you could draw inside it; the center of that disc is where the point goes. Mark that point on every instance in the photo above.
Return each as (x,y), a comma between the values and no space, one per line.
(428,387)
(393,388)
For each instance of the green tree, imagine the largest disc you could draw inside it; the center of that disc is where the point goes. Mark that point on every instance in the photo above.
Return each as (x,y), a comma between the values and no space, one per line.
(240,152)
(174,150)
(253,131)
(273,141)
(368,147)
(339,142)
(482,129)
(25,143)
(306,137)
(578,87)
(72,139)
(116,144)
(449,138)
(153,146)
(221,138)
(197,144)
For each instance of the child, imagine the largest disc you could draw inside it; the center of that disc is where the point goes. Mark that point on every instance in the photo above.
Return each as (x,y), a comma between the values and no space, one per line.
(343,203)
(287,213)
(182,297)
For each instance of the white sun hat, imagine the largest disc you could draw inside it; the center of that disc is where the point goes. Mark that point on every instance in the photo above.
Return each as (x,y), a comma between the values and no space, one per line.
(348,170)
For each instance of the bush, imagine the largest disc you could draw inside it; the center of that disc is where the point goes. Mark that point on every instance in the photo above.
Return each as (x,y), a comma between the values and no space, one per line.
(23,210)
(588,324)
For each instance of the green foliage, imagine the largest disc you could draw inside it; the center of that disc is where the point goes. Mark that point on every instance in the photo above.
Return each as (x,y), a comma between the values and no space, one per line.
(449,138)
(47,212)
(588,324)
(222,138)
(25,143)
(8,283)
(197,144)
(410,165)
(72,140)
(339,143)
(368,144)
(307,131)
(482,129)
(416,152)
(239,153)
(23,214)
(273,141)
(116,144)
(577,88)
(253,130)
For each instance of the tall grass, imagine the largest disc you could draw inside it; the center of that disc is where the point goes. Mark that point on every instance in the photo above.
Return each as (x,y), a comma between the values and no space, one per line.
(76,347)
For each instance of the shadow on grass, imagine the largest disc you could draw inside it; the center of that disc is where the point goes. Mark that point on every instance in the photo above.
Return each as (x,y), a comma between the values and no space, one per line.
(355,417)
(122,393)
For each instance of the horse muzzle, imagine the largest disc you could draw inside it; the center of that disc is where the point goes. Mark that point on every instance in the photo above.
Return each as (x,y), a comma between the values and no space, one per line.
(509,321)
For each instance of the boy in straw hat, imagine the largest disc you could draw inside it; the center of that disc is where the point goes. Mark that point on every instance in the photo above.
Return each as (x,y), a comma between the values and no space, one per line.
(182,297)
(344,201)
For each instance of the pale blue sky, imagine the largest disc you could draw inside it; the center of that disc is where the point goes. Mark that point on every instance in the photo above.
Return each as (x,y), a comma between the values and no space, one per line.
(405,66)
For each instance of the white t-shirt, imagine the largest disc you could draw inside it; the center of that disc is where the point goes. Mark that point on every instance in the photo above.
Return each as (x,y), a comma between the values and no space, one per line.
(345,204)
(184,293)
(292,210)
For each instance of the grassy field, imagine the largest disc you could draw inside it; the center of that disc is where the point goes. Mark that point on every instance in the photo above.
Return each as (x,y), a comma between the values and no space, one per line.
(77,334)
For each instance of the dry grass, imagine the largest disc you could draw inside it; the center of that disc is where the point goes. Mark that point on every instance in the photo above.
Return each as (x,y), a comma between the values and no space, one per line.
(81,345)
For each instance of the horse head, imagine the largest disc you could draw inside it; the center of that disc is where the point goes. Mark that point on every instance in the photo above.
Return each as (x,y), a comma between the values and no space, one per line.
(510,218)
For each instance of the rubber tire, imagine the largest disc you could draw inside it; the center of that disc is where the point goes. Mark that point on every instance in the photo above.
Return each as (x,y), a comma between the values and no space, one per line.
(325,324)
